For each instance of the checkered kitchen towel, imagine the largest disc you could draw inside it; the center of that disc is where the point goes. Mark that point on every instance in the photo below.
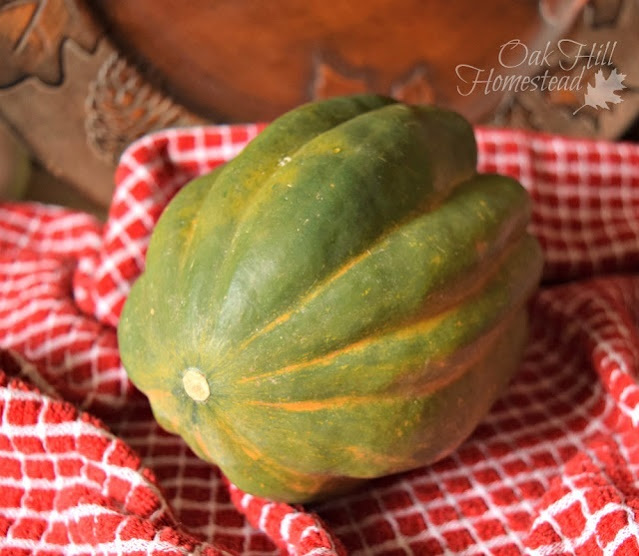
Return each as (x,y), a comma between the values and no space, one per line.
(553,469)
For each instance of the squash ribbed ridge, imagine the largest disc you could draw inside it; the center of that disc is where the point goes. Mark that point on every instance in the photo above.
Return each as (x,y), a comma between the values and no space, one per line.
(487,272)
(355,259)
(252,200)
(434,195)
(358,324)
(485,269)
(466,357)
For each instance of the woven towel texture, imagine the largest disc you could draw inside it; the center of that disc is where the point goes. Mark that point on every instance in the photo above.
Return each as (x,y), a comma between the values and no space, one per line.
(553,469)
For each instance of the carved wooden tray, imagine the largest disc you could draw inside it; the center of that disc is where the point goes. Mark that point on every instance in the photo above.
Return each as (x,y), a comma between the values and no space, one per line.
(79,81)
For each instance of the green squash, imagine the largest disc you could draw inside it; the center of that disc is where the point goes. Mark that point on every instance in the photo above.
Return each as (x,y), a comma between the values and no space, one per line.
(343,300)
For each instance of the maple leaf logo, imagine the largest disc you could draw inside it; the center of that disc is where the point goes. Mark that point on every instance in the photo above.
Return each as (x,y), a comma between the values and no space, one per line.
(603,91)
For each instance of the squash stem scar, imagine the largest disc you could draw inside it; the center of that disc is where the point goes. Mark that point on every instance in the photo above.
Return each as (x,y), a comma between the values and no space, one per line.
(195,384)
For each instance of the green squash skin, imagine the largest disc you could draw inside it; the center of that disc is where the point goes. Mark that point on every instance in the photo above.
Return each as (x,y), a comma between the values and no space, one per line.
(352,290)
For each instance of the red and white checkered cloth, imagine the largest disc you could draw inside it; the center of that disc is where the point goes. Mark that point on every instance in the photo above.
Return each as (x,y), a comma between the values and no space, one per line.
(553,469)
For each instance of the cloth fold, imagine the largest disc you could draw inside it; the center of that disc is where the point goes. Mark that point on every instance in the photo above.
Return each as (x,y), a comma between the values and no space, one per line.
(553,469)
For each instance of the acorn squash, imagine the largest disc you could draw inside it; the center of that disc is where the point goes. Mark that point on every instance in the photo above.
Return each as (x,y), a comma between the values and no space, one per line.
(343,300)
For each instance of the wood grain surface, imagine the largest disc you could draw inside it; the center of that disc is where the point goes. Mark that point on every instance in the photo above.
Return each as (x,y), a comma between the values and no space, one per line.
(249,60)
(79,80)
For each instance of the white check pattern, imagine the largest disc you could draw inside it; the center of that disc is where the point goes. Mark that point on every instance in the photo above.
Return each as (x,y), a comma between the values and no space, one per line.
(553,469)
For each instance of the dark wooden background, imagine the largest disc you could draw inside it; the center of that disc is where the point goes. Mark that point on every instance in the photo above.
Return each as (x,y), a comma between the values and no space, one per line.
(80,80)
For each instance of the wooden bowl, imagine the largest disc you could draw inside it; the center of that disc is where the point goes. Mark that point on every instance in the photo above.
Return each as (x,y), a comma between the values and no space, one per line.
(80,80)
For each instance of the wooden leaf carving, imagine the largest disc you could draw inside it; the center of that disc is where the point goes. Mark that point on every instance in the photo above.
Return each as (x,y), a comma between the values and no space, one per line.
(32,33)
(330,82)
(415,89)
